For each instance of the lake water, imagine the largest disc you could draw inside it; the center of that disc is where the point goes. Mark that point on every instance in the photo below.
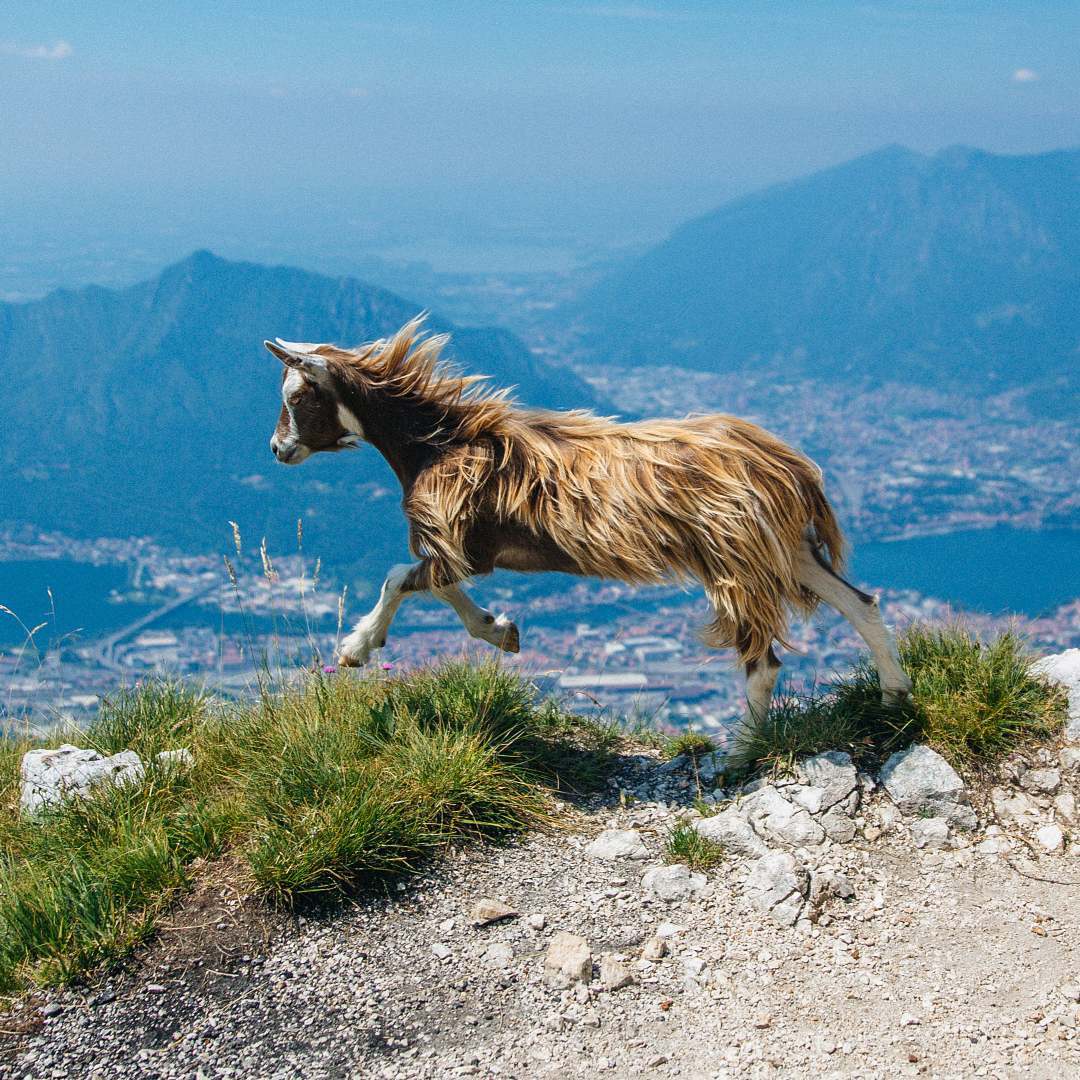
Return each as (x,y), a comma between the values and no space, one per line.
(80,596)
(993,570)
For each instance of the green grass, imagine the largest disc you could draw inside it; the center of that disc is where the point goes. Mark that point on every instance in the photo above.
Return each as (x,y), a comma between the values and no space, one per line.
(973,702)
(332,786)
(685,844)
(342,783)
(691,743)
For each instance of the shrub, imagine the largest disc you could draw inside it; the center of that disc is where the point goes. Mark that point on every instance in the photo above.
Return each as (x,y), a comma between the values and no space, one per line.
(973,701)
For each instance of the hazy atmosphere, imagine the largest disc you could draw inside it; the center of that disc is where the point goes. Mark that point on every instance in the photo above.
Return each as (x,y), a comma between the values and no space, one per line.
(479,136)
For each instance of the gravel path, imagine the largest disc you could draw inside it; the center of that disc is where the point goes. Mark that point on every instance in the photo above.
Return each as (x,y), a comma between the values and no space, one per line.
(945,963)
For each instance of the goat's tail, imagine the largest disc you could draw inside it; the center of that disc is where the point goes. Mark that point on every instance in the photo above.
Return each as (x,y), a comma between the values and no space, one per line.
(823,530)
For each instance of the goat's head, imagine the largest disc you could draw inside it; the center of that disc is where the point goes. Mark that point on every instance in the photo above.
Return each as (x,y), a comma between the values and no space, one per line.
(312,417)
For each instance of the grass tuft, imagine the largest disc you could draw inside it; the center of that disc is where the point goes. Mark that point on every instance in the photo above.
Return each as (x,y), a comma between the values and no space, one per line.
(333,785)
(973,701)
(685,844)
(147,718)
(691,743)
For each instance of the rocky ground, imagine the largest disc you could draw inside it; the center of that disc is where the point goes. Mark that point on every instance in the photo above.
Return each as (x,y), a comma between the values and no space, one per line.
(825,942)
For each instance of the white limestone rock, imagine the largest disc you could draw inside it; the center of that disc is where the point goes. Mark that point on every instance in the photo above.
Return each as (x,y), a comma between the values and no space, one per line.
(1041,781)
(1065,807)
(49,777)
(486,912)
(919,780)
(839,826)
(567,961)
(614,975)
(1014,807)
(1064,670)
(778,886)
(672,884)
(1051,839)
(932,833)
(1069,758)
(731,829)
(614,844)
(811,799)
(834,774)
(774,818)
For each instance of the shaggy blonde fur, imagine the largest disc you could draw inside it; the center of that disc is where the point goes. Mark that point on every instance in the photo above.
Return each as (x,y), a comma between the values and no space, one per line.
(710,498)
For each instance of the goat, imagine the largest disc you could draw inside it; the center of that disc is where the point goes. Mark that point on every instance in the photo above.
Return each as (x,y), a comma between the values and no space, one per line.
(488,484)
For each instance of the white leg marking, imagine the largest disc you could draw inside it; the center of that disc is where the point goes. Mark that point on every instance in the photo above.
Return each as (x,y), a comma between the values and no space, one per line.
(497,630)
(370,632)
(867,621)
(760,683)
(759,690)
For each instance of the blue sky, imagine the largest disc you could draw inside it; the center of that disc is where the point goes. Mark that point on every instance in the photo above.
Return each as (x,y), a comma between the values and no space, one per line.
(650,110)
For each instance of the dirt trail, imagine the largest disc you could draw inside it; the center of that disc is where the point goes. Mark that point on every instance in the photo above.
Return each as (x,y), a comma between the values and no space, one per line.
(945,963)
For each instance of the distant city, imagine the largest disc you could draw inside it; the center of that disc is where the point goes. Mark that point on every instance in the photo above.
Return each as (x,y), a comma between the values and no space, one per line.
(602,647)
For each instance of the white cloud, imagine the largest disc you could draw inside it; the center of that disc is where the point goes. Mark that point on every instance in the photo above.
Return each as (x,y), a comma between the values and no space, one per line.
(1025,75)
(358,92)
(58,50)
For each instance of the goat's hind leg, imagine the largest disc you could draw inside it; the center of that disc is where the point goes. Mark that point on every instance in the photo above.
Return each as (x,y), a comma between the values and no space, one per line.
(864,614)
(761,678)
(497,630)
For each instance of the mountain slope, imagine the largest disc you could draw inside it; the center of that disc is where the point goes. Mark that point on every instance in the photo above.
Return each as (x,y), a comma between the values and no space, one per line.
(962,267)
(149,410)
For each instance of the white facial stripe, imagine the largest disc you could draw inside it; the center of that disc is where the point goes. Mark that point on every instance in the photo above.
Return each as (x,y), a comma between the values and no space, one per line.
(348,420)
(293,381)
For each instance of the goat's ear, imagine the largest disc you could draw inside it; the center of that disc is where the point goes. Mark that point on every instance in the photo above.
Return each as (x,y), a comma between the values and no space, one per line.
(300,355)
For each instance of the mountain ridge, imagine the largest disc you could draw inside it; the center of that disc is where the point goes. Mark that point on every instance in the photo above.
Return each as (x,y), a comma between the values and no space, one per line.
(928,268)
(148,410)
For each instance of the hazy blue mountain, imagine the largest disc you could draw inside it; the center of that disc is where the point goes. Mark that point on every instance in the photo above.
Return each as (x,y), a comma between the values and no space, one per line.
(961,268)
(148,410)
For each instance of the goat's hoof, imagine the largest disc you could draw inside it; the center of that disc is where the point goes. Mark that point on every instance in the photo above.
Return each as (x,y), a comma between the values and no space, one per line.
(344,660)
(895,696)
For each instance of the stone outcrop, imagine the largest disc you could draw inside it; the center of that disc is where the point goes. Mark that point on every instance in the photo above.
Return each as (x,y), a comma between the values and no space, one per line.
(49,777)
(1063,669)
(921,782)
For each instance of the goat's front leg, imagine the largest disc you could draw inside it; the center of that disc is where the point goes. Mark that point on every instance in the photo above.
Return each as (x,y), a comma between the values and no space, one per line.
(370,632)
(497,630)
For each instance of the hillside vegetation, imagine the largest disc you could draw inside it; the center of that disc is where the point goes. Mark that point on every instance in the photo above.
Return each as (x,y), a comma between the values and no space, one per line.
(342,783)
(973,702)
(320,789)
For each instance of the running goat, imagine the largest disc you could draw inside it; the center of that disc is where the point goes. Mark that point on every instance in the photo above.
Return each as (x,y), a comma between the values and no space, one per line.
(489,485)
